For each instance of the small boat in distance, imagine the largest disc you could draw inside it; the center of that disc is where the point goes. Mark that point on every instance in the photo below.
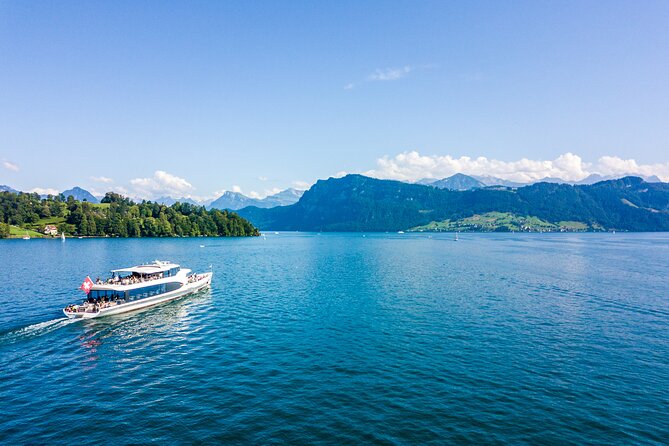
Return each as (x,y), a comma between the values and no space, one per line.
(26,237)
(456,237)
(136,287)
(62,236)
(400,232)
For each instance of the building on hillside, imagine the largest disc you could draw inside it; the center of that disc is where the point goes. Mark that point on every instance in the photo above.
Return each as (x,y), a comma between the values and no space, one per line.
(50,230)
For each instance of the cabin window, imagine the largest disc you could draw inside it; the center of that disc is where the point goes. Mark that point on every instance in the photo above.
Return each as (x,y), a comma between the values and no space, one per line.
(105,294)
(172,286)
(144,292)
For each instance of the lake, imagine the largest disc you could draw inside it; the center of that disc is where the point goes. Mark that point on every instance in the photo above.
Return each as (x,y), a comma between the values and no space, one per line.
(311,338)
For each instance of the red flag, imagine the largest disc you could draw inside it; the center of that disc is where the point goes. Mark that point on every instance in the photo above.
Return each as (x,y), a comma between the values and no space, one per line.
(87,285)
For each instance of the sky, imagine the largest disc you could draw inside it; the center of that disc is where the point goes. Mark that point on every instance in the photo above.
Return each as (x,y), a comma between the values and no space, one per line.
(194,98)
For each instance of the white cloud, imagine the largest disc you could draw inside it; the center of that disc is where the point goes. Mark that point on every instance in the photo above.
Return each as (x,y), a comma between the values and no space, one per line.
(120,190)
(613,165)
(389,74)
(261,178)
(412,166)
(162,183)
(349,86)
(10,166)
(302,185)
(44,191)
(236,189)
(105,180)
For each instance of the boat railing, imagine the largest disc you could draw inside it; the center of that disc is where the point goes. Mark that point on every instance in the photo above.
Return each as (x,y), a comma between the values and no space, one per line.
(90,307)
(196,277)
(129,280)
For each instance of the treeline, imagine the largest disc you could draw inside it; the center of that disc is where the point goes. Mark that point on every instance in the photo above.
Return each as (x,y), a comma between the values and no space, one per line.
(118,216)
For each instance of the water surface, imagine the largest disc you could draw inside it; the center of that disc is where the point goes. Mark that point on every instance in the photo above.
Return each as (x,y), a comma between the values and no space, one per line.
(340,338)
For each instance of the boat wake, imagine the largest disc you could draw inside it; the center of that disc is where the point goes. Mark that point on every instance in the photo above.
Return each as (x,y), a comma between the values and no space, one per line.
(34,330)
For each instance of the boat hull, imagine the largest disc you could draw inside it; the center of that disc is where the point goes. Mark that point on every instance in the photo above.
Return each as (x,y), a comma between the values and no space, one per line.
(185,290)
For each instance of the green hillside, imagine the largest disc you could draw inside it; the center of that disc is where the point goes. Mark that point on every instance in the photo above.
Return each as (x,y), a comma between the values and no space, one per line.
(502,222)
(359,203)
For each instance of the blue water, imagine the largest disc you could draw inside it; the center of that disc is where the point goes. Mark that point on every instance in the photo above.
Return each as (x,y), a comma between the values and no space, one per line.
(345,339)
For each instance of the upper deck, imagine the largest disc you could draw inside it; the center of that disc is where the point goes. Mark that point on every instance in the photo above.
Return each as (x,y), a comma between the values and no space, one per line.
(139,276)
(155,267)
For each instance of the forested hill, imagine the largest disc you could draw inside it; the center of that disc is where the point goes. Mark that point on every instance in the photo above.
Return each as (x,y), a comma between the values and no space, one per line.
(116,216)
(359,203)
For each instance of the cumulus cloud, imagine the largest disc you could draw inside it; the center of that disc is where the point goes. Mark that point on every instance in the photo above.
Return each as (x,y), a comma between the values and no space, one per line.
(613,165)
(44,191)
(105,180)
(10,166)
(237,189)
(389,74)
(301,185)
(162,183)
(412,166)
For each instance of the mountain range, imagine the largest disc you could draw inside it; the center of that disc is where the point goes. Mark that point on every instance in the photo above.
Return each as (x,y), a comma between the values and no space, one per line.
(460,181)
(234,200)
(229,200)
(359,203)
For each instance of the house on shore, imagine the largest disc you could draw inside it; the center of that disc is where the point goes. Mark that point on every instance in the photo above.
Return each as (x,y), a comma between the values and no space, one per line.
(50,230)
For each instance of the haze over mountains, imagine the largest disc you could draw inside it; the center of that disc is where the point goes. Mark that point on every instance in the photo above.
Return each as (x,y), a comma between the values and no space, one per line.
(461,181)
(235,200)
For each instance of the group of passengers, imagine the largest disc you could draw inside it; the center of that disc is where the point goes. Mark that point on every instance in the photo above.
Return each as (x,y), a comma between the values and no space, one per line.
(95,304)
(129,280)
(194,277)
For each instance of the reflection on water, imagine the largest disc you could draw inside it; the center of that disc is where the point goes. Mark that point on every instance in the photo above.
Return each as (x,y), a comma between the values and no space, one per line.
(160,321)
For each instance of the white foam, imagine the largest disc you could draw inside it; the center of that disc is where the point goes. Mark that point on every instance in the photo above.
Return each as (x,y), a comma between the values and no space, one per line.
(38,329)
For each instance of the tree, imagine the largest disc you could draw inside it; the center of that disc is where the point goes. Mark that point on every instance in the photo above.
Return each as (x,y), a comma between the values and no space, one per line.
(4,230)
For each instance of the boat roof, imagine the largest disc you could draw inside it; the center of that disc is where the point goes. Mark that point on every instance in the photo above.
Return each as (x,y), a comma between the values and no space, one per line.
(157,266)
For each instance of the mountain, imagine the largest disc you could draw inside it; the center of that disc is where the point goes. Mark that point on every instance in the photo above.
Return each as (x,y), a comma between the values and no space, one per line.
(596,178)
(489,180)
(80,194)
(283,198)
(4,188)
(235,200)
(232,201)
(359,203)
(458,181)
(169,201)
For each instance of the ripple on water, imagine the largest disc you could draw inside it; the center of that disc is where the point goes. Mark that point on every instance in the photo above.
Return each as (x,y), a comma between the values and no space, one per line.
(342,339)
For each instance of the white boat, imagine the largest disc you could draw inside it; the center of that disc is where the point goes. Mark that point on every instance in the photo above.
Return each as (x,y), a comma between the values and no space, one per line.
(137,287)
(62,236)
(26,237)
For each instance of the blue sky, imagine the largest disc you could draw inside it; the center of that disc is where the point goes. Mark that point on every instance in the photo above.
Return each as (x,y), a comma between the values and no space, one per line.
(193,98)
